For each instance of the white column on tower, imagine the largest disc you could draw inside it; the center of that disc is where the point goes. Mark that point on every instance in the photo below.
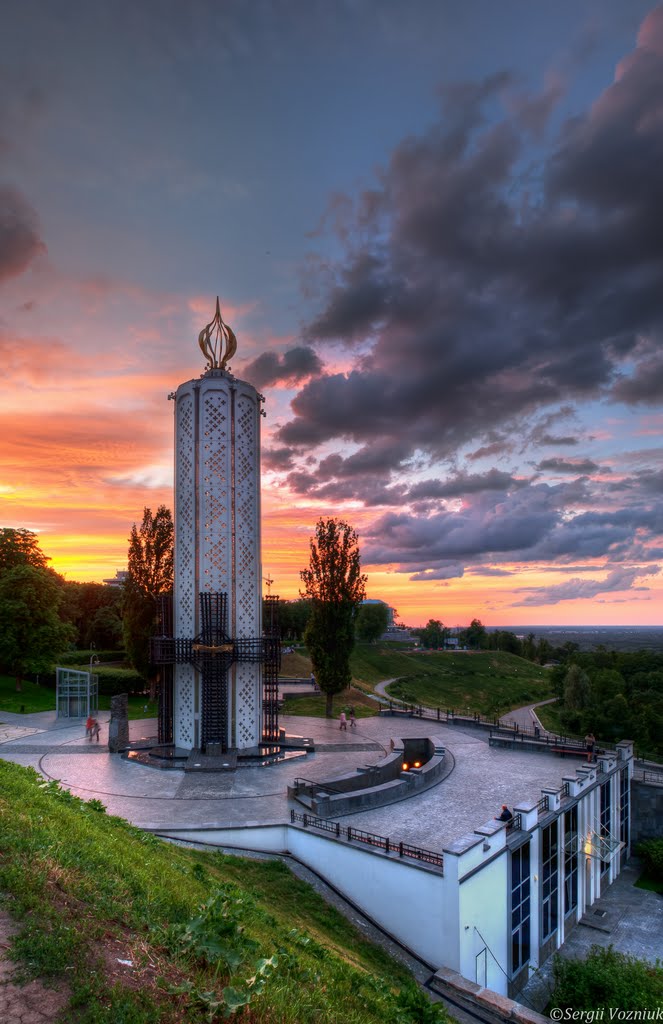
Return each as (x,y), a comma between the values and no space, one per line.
(217,535)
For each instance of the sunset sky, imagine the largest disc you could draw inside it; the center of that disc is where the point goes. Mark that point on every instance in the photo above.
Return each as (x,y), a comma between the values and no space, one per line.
(436,228)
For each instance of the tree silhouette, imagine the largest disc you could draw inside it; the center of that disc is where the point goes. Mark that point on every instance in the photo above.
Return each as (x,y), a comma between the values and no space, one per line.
(335,585)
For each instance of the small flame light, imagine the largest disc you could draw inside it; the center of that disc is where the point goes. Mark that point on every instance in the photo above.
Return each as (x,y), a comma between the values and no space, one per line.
(405,766)
(417,764)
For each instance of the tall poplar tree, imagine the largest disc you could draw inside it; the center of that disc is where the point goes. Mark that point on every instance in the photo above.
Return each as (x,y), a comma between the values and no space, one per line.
(335,586)
(150,565)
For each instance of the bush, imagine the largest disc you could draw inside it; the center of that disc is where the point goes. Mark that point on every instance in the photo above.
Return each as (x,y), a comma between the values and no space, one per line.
(651,852)
(606,978)
(119,680)
(81,659)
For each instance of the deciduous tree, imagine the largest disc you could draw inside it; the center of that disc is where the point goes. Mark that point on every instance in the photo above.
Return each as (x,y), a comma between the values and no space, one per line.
(150,565)
(372,621)
(20,547)
(433,634)
(335,586)
(32,634)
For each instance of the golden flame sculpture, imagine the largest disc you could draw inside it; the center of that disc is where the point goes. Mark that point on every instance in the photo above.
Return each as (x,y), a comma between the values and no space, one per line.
(217,342)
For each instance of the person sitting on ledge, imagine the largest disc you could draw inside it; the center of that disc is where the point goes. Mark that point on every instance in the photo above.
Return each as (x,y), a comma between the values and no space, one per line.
(506,814)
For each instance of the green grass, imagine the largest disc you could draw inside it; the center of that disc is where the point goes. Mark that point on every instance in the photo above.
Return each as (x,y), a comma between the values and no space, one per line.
(35,698)
(90,890)
(550,719)
(314,705)
(484,681)
(651,884)
(31,699)
(487,682)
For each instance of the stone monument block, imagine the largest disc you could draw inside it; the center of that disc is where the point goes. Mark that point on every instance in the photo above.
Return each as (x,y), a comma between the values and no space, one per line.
(118,729)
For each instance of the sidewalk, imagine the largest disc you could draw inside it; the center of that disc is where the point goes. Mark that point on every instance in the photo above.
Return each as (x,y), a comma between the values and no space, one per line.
(482,779)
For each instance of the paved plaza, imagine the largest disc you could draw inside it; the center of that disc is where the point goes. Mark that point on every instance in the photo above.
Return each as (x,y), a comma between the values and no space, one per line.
(481,780)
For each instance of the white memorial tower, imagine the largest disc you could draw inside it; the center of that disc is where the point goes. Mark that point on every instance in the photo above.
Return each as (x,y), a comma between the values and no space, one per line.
(217,600)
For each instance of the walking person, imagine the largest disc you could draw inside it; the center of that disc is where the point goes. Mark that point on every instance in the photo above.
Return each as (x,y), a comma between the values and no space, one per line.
(343,722)
(88,725)
(353,720)
(95,730)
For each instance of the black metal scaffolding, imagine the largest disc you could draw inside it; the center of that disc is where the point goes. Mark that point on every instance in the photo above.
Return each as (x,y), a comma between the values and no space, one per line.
(212,653)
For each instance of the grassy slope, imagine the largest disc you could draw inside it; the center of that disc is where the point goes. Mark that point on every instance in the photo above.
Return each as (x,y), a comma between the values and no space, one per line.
(482,681)
(91,891)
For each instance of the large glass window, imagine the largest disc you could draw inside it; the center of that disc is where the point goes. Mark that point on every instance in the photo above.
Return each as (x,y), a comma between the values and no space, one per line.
(606,826)
(549,880)
(570,860)
(624,796)
(520,908)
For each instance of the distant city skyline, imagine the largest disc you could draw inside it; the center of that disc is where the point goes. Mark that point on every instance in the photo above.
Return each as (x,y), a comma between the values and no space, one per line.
(433,229)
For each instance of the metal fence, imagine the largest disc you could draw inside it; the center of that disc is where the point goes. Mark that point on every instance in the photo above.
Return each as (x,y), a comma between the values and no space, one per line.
(357,835)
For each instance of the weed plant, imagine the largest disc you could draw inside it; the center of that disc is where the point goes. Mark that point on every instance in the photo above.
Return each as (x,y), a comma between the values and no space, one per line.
(144,931)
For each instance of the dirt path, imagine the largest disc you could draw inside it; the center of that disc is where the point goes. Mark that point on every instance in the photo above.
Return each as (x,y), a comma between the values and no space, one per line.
(31,1003)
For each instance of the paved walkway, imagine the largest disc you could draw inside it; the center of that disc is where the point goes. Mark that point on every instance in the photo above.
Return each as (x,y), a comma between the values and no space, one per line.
(483,778)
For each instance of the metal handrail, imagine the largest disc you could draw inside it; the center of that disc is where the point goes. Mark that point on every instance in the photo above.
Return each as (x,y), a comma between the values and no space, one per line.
(370,839)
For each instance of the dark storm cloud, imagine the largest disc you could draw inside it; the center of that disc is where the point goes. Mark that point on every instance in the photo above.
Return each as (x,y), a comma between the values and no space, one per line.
(277,458)
(484,301)
(645,385)
(552,440)
(529,524)
(19,234)
(463,483)
(570,466)
(291,367)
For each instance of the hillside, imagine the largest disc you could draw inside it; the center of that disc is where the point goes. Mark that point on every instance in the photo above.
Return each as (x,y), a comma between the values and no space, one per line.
(133,930)
(478,681)
(487,682)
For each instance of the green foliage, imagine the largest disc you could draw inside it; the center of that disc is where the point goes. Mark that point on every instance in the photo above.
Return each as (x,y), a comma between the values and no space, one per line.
(95,611)
(606,978)
(414,1007)
(335,586)
(81,659)
(20,547)
(651,853)
(233,937)
(486,682)
(614,694)
(150,574)
(293,616)
(475,636)
(503,640)
(371,621)
(433,634)
(32,634)
(119,680)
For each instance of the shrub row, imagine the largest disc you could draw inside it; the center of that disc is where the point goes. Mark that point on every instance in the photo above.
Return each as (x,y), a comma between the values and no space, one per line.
(81,659)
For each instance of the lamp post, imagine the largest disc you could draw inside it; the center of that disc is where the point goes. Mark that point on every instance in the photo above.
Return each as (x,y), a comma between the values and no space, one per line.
(94,661)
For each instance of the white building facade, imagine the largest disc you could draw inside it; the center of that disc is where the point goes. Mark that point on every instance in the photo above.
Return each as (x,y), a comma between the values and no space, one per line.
(503,899)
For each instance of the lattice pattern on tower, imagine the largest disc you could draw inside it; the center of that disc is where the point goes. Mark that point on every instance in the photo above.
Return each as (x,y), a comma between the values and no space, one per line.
(247,513)
(215,479)
(185,516)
